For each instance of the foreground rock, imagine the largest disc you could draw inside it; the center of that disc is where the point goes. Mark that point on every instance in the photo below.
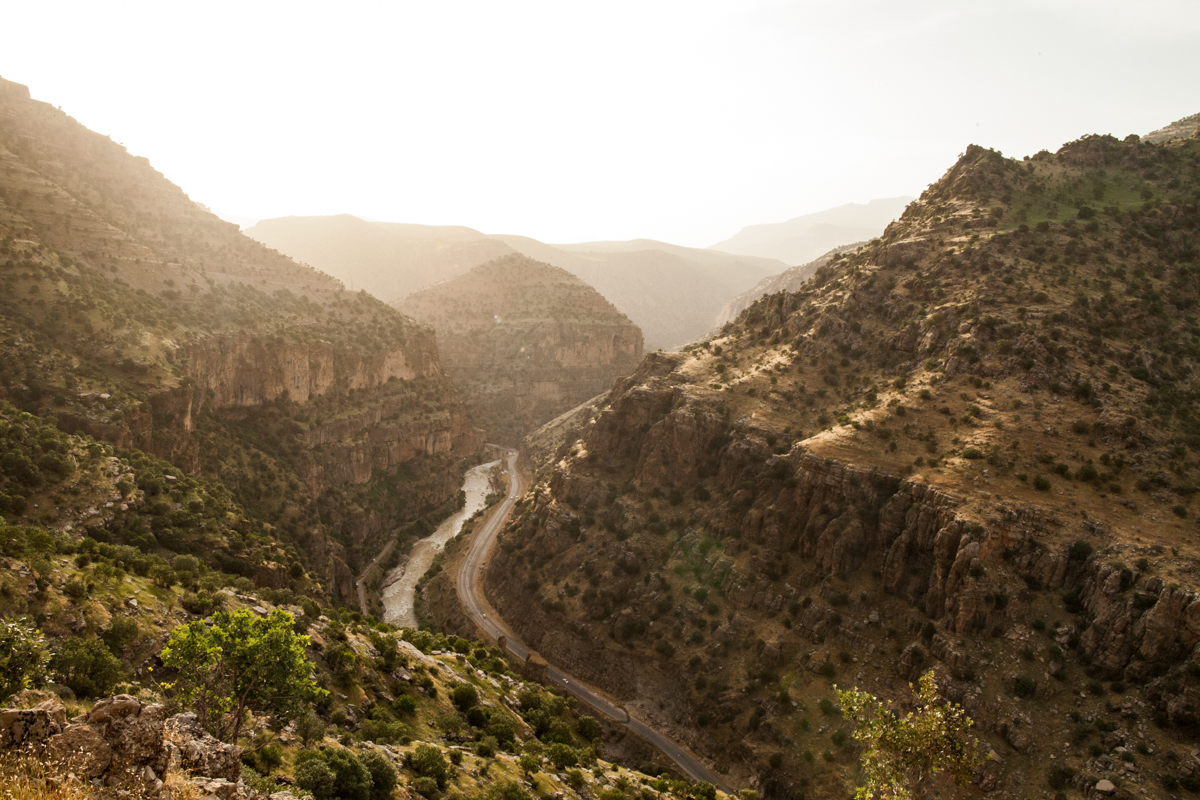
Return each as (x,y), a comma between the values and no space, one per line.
(123,745)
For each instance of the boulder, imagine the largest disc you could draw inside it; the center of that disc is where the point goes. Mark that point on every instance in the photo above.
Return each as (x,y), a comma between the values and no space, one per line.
(80,749)
(31,727)
(199,752)
(215,788)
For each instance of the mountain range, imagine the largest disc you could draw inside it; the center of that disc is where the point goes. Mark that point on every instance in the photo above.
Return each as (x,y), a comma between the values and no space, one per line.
(802,239)
(672,293)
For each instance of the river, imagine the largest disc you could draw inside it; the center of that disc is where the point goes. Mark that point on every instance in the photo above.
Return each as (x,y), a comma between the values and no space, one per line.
(400,585)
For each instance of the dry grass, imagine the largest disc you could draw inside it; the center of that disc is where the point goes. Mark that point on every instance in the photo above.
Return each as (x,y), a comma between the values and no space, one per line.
(23,777)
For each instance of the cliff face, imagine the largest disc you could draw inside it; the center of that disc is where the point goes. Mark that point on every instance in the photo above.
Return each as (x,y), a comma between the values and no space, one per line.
(525,341)
(954,448)
(244,370)
(134,315)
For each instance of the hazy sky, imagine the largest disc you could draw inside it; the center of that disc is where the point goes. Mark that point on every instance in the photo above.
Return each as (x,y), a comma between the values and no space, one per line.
(570,121)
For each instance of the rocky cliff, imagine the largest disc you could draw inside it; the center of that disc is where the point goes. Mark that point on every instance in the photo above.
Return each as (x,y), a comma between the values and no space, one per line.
(525,342)
(954,448)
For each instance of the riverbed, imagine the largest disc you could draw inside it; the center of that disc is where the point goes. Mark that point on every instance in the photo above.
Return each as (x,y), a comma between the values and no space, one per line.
(400,585)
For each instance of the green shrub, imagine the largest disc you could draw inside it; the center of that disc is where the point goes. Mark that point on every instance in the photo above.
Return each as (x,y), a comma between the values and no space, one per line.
(23,657)
(426,787)
(589,728)
(120,634)
(383,775)
(405,705)
(1024,687)
(429,762)
(464,696)
(313,775)
(1041,483)
(351,779)
(87,666)
(562,755)
(310,729)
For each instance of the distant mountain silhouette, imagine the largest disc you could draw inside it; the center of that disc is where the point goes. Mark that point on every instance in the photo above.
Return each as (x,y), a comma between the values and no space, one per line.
(802,239)
(672,293)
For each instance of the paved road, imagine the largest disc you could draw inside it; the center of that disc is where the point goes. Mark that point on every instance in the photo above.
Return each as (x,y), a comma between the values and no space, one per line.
(467,583)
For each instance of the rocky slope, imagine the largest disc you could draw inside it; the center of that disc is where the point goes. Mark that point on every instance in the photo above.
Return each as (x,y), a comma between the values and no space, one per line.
(968,445)
(672,293)
(804,238)
(525,341)
(134,316)
(391,697)
(789,280)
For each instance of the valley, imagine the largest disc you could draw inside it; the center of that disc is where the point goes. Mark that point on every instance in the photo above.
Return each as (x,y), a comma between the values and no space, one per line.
(959,434)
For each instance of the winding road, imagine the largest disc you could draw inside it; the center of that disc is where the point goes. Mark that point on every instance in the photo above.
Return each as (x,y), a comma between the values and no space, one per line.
(467,583)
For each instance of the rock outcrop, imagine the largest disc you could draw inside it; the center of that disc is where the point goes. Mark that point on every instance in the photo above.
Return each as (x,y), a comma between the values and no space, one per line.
(118,744)
(123,745)
(198,752)
(525,341)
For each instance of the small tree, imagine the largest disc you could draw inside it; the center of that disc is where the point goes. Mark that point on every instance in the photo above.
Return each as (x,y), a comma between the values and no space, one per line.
(903,756)
(23,657)
(242,662)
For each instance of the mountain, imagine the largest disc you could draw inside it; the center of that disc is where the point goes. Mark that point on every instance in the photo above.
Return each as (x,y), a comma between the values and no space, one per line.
(789,280)
(524,342)
(319,420)
(802,239)
(969,445)
(672,293)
